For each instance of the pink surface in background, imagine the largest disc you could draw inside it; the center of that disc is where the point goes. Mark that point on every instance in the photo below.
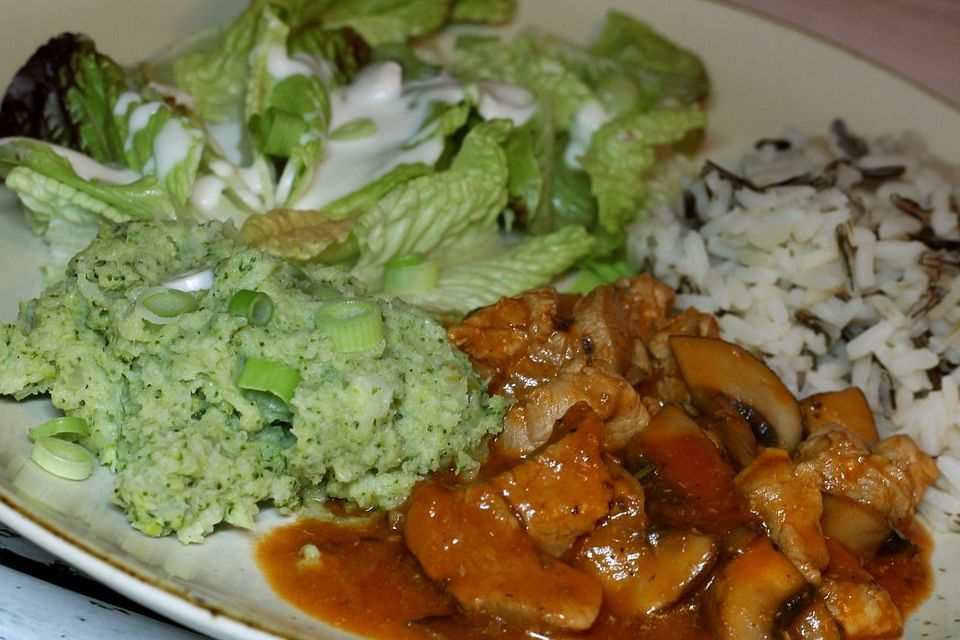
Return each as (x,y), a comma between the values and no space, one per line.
(919,39)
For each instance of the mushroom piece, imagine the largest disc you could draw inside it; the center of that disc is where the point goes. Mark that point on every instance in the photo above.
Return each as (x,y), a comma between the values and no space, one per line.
(861,529)
(714,369)
(752,591)
(847,408)
(645,573)
(639,571)
(814,622)
(693,465)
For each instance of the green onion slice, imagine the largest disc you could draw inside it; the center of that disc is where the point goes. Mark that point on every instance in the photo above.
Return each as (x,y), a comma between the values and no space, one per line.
(161,305)
(255,306)
(66,428)
(195,280)
(353,325)
(62,458)
(355,129)
(410,275)
(260,374)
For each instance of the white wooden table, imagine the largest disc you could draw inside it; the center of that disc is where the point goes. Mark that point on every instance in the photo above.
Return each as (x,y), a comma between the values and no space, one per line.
(42,598)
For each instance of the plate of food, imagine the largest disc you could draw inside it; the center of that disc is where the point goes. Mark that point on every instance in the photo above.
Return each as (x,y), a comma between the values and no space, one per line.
(463,319)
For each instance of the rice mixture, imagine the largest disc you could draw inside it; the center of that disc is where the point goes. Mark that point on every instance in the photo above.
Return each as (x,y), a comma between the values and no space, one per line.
(836,258)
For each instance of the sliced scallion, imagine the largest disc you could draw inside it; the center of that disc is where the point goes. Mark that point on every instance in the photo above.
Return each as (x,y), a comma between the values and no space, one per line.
(161,305)
(63,458)
(196,280)
(353,325)
(355,129)
(66,428)
(410,275)
(255,306)
(260,374)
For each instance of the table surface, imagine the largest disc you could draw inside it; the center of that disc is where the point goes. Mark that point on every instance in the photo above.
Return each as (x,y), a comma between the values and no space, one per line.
(919,39)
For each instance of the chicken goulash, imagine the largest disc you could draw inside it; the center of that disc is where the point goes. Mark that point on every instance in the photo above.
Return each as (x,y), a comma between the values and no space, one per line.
(650,481)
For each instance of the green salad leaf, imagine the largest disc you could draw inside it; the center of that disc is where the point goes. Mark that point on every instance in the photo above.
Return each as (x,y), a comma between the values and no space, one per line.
(65,94)
(380,21)
(328,133)
(482,11)
(624,149)
(663,71)
(215,72)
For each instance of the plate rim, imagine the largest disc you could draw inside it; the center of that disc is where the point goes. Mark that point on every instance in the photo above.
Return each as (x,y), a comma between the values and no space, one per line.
(177,603)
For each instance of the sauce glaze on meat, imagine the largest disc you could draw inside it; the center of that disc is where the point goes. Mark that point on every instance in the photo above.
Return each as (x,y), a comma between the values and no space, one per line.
(651,481)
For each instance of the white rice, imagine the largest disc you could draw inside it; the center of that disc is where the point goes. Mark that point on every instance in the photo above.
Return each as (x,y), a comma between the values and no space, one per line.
(882,313)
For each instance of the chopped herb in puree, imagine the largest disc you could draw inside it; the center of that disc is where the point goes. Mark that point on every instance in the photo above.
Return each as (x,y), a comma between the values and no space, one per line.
(189,445)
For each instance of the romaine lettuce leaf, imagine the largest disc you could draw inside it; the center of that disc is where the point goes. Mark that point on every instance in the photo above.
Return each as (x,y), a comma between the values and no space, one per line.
(627,75)
(528,62)
(67,207)
(432,211)
(216,72)
(536,260)
(482,11)
(380,21)
(40,171)
(663,70)
(163,144)
(622,151)
(364,198)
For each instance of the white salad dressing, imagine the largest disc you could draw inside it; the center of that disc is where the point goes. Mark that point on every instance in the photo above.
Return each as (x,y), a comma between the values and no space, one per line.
(83,165)
(124,101)
(206,193)
(247,183)
(399,112)
(280,65)
(172,145)
(139,119)
(229,137)
(590,117)
(502,100)
(376,93)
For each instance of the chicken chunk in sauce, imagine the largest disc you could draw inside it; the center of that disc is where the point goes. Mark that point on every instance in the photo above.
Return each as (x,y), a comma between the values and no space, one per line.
(618,503)
(561,492)
(788,502)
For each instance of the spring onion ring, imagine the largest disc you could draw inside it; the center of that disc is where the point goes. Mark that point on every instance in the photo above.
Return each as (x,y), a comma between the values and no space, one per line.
(161,305)
(353,325)
(410,275)
(196,280)
(66,428)
(255,306)
(63,458)
(270,376)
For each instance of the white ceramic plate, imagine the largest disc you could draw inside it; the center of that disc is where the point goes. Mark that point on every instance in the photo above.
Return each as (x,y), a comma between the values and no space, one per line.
(765,77)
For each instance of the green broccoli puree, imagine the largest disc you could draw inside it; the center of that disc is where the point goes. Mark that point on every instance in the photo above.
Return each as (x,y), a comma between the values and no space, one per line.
(188,447)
